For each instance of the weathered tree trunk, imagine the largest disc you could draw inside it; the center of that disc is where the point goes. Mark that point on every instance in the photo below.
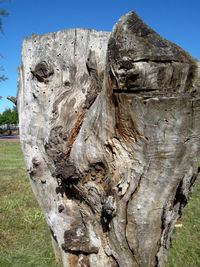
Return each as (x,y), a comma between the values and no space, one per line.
(110,131)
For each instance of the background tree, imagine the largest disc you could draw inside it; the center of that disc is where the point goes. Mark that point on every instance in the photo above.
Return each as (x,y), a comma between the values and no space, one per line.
(9,116)
(3,13)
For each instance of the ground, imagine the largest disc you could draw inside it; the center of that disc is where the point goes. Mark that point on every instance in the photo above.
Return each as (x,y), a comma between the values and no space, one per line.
(25,238)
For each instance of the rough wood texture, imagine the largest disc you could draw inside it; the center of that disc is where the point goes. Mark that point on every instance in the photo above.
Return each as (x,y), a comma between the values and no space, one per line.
(109,128)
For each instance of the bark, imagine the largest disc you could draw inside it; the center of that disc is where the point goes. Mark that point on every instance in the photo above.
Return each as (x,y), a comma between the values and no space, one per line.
(12,99)
(109,129)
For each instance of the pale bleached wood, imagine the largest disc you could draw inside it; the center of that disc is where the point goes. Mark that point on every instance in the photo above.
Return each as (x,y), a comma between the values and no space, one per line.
(109,129)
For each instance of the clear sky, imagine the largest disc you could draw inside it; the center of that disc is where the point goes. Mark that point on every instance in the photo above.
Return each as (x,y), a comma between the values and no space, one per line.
(176,20)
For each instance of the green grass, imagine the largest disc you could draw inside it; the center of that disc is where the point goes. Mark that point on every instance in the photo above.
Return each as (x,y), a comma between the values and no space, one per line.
(185,251)
(25,238)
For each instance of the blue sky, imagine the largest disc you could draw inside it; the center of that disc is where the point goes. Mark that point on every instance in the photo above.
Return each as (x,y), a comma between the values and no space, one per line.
(175,20)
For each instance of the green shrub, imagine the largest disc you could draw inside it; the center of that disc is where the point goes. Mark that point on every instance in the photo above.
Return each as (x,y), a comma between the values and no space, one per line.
(9,116)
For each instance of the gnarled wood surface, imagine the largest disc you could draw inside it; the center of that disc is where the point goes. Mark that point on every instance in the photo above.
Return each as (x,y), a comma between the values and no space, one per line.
(109,128)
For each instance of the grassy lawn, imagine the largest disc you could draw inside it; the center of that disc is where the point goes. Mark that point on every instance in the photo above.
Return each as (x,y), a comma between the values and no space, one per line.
(185,251)
(24,236)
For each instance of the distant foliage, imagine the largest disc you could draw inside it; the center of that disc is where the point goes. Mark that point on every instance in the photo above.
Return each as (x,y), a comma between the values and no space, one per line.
(9,116)
(3,13)
(2,77)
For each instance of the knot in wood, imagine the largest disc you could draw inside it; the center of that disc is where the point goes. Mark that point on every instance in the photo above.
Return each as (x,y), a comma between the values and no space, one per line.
(67,171)
(43,71)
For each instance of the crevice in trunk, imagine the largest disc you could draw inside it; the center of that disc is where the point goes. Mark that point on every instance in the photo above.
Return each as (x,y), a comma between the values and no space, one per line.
(127,65)
(53,235)
(127,204)
(105,220)
(133,91)
(180,196)
(115,262)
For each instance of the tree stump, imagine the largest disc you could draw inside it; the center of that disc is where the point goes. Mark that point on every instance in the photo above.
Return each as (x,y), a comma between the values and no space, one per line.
(110,132)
